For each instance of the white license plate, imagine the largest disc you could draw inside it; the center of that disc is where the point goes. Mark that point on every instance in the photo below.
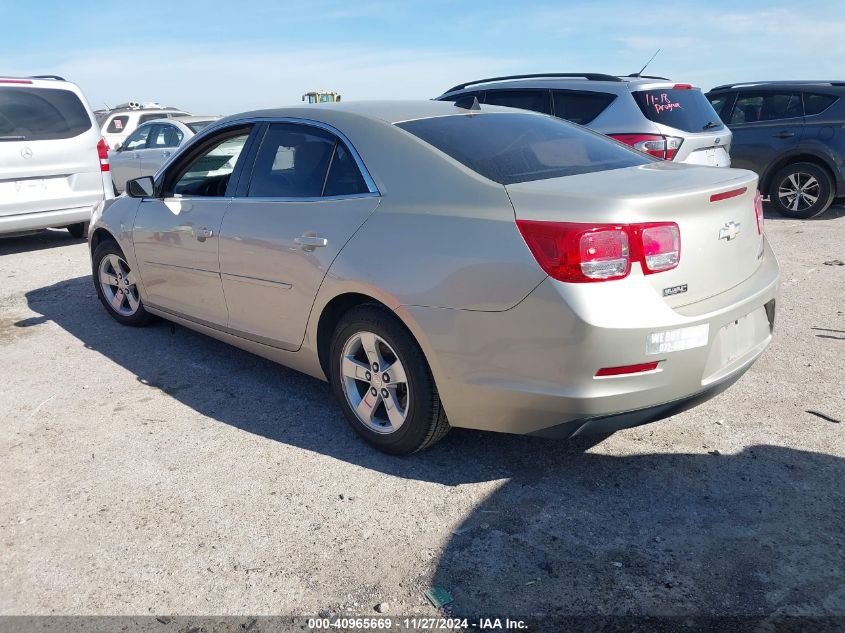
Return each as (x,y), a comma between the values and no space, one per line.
(32,187)
(677,340)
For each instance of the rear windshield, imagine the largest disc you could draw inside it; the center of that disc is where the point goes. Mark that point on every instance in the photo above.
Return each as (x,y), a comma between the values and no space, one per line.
(40,114)
(196,126)
(511,148)
(686,110)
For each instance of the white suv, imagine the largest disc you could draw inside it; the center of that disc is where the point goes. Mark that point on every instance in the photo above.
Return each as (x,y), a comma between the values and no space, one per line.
(54,165)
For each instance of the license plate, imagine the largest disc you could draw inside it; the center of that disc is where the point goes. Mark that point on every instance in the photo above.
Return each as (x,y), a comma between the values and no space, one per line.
(677,340)
(32,187)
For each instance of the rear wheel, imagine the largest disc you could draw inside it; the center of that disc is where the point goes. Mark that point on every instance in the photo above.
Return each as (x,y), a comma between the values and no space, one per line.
(116,285)
(78,230)
(383,383)
(801,190)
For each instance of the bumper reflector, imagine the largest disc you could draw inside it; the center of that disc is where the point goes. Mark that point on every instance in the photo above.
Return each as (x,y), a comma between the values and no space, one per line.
(627,369)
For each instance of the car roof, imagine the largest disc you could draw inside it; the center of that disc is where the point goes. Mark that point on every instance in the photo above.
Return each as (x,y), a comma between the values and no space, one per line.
(384,111)
(579,81)
(39,81)
(194,118)
(803,83)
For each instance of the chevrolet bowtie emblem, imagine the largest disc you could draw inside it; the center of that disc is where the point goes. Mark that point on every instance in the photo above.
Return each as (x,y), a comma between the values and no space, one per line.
(729,231)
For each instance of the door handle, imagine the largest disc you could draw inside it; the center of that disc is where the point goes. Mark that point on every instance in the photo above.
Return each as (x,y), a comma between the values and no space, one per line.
(310,242)
(203,234)
(166,153)
(784,134)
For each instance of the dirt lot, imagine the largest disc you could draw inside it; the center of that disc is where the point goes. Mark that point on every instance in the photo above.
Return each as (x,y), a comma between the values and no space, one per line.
(159,471)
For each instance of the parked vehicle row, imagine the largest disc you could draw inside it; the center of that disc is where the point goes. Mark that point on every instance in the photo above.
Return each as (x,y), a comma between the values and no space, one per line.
(118,123)
(450,264)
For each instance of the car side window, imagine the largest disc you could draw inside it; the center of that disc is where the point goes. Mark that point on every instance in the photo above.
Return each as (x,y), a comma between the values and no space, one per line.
(536,100)
(117,124)
(292,162)
(344,177)
(580,107)
(816,104)
(768,106)
(718,101)
(138,139)
(163,136)
(207,173)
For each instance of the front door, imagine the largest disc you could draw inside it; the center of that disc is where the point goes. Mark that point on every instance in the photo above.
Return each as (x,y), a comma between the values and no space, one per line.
(176,234)
(765,125)
(125,162)
(306,197)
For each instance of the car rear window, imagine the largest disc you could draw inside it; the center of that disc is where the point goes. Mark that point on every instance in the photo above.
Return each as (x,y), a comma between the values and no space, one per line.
(682,109)
(41,114)
(196,126)
(511,148)
(117,124)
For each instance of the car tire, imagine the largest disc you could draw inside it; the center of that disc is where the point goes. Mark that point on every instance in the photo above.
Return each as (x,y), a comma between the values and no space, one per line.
(117,286)
(400,415)
(801,190)
(78,230)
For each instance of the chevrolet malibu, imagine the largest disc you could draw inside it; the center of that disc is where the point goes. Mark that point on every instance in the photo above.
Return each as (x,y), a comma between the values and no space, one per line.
(443,265)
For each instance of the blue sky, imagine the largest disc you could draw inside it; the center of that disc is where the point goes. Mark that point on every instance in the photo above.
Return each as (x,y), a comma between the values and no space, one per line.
(213,57)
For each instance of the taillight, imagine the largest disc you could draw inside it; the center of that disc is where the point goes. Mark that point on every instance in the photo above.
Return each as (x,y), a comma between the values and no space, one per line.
(103,153)
(660,246)
(665,147)
(15,81)
(758,209)
(627,369)
(578,253)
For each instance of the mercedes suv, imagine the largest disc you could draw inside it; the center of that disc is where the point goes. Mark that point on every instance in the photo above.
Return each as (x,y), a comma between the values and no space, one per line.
(669,120)
(54,165)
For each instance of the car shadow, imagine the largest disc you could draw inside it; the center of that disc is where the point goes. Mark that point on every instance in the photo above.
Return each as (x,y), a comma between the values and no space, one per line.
(36,241)
(834,212)
(569,531)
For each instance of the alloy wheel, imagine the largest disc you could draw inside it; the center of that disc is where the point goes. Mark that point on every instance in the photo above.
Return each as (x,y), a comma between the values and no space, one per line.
(374,382)
(118,284)
(799,191)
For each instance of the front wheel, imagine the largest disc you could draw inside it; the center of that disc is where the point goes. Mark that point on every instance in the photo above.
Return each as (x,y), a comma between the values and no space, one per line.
(801,191)
(116,285)
(383,383)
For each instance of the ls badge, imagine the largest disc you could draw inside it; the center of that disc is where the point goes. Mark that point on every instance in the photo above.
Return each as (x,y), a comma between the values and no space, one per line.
(674,290)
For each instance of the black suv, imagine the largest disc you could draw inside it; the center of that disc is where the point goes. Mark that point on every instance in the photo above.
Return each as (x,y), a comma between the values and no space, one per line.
(792,133)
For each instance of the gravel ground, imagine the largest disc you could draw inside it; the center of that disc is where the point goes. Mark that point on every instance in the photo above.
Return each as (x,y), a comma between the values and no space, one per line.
(160,471)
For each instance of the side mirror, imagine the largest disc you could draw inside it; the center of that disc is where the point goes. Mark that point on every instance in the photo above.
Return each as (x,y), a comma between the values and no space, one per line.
(142,187)
(117,146)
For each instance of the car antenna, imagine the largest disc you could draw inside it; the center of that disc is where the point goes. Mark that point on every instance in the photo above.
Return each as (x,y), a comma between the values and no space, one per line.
(468,103)
(639,74)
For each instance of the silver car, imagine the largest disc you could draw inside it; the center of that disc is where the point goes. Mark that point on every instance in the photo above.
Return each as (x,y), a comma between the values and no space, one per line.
(150,145)
(663,118)
(484,268)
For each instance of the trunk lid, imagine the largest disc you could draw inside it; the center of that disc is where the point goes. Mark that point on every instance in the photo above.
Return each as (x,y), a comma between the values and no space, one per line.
(720,244)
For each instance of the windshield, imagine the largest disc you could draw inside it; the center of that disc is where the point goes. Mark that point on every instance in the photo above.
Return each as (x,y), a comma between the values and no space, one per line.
(682,108)
(511,148)
(39,114)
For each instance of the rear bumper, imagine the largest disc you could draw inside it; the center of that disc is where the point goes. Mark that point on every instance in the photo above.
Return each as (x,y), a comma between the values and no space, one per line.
(532,369)
(45,219)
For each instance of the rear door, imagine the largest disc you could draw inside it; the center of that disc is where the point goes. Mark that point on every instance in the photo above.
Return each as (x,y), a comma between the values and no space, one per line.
(48,149)
(306,197)
(765,125)
(176,235)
